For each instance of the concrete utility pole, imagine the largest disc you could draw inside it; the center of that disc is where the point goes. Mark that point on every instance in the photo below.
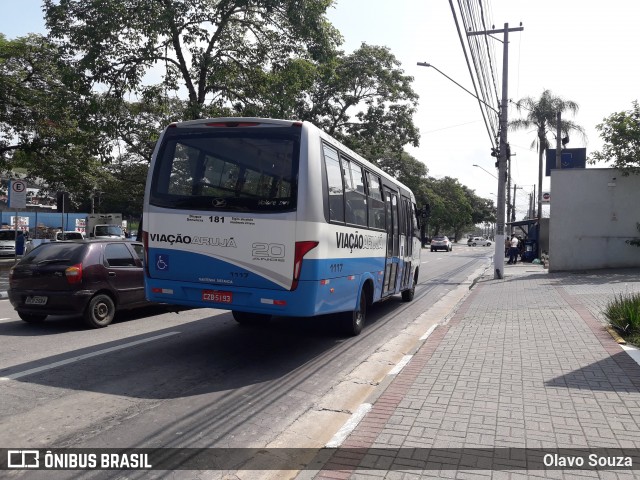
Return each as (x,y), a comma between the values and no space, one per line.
(498,258)
(558,140)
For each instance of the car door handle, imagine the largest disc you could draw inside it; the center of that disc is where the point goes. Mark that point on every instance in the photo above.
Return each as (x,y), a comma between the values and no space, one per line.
(112,274)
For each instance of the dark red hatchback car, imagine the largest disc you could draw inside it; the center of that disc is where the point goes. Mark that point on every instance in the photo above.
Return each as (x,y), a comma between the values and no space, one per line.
(92,278)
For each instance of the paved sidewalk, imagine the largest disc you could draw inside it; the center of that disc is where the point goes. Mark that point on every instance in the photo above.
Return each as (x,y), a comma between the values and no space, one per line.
(523,367)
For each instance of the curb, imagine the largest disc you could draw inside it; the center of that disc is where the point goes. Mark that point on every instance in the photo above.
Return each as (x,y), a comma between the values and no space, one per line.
(616,336)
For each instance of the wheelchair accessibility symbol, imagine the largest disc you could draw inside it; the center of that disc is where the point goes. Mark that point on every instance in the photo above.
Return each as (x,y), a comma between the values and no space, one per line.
(162,262)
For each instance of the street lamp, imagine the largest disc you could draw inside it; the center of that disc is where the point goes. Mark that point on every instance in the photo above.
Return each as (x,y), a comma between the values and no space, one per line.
(425,64)
(485,171)
(498,257)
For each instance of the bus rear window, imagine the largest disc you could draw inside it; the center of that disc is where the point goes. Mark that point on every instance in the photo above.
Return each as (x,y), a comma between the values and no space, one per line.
(244,170)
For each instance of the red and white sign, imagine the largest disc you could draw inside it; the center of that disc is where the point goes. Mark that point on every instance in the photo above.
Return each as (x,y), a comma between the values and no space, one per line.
(546,197)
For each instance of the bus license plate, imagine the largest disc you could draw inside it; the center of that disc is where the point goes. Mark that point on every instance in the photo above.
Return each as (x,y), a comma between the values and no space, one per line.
(217,296)
(36,300)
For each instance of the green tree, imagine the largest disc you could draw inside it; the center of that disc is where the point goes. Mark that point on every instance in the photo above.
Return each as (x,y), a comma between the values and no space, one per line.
(483,210)
(540,115)
(451,211)
(49,118)
(210,48)
(621,134)
(271,58)
(363,99)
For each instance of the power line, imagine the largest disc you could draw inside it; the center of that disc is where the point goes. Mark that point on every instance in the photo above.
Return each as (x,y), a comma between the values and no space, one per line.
(487,116)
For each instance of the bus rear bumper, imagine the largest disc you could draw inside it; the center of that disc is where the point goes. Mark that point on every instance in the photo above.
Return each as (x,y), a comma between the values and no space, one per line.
(309,299)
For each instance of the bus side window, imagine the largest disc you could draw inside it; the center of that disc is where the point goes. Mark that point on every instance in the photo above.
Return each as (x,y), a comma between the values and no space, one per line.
(356,202)
(334,183)
(375,202)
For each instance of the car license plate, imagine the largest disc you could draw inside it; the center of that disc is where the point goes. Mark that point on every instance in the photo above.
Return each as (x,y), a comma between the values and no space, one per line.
(37,300)
(217,296)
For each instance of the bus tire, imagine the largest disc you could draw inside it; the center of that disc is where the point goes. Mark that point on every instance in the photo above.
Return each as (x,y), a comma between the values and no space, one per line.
(407,295)
(247,318)
(354,320)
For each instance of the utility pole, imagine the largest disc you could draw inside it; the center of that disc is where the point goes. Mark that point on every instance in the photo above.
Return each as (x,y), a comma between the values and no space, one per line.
(533,204)
(558,140)
(508,190)
(498,259)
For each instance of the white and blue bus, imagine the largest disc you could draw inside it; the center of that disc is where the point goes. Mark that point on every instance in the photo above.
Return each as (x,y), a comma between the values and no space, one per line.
(271,217)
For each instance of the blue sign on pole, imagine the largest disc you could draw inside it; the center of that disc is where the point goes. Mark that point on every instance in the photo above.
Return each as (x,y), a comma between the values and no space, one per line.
(570,158)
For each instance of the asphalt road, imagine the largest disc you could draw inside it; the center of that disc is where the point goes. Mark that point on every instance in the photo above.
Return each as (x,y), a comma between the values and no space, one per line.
(197,378)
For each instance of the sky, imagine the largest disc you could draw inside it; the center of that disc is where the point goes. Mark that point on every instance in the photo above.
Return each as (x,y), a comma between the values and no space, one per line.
(581,51)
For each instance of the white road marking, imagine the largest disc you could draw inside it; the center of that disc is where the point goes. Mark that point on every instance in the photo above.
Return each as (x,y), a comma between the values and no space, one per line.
(7,319)
(401,364)
(342,434)
(428,332)
(31,371)
(633,352)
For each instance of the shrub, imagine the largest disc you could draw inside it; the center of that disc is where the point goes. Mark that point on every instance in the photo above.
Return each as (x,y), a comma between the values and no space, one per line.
(623,313)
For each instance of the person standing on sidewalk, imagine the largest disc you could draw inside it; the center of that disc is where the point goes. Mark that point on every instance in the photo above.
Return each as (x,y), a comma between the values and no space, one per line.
(20,244)
(513,251)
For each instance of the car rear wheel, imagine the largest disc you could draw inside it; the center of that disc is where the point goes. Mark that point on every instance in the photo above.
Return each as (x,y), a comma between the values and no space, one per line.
(100,311)
(32,317)
(488,244)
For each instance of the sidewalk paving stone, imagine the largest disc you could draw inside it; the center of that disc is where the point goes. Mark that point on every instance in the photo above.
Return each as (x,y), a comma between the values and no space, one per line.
(523,363)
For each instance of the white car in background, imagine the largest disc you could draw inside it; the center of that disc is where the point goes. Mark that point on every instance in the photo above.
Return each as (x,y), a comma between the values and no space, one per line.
(441,242)
(7,242)
(478,241)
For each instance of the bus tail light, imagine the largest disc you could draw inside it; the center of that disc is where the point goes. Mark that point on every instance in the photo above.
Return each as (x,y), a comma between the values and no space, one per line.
(302,248)
(232,124)
(145,244)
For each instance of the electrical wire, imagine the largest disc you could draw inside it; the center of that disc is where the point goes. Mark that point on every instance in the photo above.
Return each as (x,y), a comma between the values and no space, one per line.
(489,117)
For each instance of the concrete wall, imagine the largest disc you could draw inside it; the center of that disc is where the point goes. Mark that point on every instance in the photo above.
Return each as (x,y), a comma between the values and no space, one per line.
(593,211)
(543,239)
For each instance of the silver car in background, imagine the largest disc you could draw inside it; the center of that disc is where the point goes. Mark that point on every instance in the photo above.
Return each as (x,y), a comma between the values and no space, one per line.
(441,242)
(7,242)
(478,241)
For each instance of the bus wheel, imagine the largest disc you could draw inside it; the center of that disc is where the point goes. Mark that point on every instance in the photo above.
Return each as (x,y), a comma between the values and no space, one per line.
(246,318)
(354,320)
(407,295)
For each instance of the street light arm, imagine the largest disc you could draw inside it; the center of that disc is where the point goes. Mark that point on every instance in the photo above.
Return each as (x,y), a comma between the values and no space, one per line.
(424,64)
(485,171)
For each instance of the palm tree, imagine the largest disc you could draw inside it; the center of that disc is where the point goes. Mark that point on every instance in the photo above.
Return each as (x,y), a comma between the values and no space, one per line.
(541,115)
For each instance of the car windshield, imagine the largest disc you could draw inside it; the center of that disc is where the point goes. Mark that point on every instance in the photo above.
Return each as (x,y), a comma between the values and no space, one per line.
(7,235)
(70,236)
(106,230)
(440,239)
(54,253)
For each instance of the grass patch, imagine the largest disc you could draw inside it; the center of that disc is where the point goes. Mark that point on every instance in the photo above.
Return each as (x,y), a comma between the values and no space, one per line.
(623,313)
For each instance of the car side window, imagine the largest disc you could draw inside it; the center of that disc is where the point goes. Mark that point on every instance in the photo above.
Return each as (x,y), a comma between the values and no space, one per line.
(118,255)
(139,249)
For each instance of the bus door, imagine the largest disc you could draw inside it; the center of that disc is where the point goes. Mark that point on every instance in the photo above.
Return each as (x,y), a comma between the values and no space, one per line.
(393,242)
(406,249)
